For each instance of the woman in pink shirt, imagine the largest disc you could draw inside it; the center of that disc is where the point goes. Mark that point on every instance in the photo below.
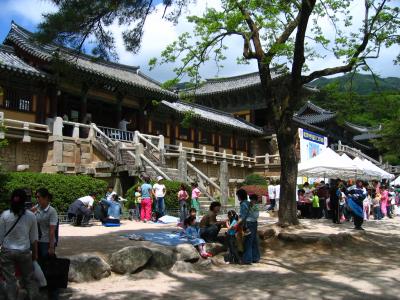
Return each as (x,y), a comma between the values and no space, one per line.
(195,197)
(384,200)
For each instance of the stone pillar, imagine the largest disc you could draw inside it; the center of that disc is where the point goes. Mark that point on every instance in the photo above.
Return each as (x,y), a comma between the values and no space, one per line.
(161,148)
(138,160)
(57,140)
(224,182)
(2,134)
(182,166)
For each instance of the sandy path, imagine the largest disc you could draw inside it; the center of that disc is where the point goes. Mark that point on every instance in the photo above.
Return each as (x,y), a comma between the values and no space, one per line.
(368,268)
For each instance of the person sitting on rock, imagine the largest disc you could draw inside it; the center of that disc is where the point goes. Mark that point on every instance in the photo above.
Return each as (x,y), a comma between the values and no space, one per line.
(209,226)
(192,233)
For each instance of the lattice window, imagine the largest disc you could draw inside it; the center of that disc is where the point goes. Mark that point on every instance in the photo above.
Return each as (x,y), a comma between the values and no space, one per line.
(184,134)
(225,141)
(158,127)
(17,100)
(206,138)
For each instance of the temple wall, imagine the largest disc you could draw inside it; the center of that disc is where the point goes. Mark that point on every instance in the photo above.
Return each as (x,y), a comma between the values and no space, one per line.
(17,153)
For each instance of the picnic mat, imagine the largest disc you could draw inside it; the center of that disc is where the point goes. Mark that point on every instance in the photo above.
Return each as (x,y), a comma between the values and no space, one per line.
(162,238)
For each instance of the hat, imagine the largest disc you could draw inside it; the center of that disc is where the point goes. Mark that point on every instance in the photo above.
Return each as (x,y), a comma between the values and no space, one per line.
(159,178)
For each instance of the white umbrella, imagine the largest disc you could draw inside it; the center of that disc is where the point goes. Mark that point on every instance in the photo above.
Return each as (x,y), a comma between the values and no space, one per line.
(327,164)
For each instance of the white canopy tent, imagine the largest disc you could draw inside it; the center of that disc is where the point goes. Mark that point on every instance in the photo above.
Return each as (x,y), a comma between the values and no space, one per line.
(327,164)
(368,171)
(383,173)
(396,182)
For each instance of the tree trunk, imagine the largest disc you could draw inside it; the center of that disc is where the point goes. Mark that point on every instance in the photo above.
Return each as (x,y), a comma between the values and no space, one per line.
(286,136)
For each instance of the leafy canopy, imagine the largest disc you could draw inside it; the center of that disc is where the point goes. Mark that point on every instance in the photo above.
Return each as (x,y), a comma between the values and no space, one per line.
(268,28)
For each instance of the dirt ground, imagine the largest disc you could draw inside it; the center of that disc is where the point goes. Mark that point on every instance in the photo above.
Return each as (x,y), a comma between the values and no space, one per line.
(367,267)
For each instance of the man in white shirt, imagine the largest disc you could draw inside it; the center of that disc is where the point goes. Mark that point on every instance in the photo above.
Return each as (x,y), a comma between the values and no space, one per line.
(123,124)
(271,194)
(81,209)
(159,191)
(277,195)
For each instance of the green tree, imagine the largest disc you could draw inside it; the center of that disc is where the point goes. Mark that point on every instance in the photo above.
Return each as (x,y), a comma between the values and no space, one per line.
(279,31)
(272,31)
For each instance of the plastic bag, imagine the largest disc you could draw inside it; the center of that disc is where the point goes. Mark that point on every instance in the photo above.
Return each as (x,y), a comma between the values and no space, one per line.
(38,273)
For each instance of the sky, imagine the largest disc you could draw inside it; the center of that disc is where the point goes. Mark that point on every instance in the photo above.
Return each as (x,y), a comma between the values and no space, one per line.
(159,33)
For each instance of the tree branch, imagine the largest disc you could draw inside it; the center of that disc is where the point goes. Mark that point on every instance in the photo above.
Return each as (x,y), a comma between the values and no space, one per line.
(368,27)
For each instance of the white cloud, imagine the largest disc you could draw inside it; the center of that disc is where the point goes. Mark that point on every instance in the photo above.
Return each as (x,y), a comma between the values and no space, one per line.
(159,33)
(30,10)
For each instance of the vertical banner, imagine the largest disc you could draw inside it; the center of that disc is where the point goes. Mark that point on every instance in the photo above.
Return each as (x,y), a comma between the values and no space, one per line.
(311,144)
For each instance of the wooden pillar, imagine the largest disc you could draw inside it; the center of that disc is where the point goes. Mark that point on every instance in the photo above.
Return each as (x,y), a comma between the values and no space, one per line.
(53,102)
(41,106)
(216,141)
(196,137)
(120,98)
(83,110)
(172,131)
(234,143)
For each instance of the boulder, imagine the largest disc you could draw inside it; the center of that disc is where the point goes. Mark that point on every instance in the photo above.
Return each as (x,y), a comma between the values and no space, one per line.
(182,267)
(187,252)
(162,258)
(130,259)
(215,248)
(267,233)
(87,267)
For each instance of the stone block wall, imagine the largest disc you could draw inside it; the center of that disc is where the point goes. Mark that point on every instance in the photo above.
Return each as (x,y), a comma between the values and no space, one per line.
(17,153)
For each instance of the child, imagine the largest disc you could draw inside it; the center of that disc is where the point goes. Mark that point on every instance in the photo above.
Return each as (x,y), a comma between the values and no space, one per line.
(315,211)
(183,196)
(367,207)
(231,224)
(342,203)
(192,233)
(376,204)
(193,212)
(135,210)
(195,197)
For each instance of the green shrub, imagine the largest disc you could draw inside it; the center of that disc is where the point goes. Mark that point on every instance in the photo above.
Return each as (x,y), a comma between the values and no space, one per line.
(259,190)
(254,179)
(171,198)
(65,188)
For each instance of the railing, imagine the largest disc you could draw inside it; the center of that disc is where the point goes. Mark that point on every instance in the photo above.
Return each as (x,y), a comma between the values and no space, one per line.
(75,130)
(267,160)
(204,155)
(27,128)
(117,134)
(155,168)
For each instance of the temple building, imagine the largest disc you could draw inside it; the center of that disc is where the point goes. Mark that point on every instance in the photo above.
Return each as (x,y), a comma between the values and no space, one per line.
(40,82)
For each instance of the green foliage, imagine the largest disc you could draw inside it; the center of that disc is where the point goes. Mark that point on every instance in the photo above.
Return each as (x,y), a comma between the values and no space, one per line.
(361,84)
(65,189)
(259,190)
(255,179)
(171,198)
(3,142)
(188,117)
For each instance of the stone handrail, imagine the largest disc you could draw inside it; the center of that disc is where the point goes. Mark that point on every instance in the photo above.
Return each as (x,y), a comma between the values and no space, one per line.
(211,156)
(203,176)
(26,127)
(155,168)
(266,159)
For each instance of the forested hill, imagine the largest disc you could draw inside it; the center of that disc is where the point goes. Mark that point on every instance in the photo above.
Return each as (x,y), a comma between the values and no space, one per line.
(360,83)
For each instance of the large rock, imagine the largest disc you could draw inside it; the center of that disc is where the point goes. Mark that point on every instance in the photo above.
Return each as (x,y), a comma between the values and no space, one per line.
(162,258)
(87,267)
(130,259)
(183,267)
(215,248)
(266,233)
(187,252)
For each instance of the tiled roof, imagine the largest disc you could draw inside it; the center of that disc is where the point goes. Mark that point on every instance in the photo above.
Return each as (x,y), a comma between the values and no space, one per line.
(313,114)
(9,61)
(233,84)
(362,129)
(118,73)
(366,136)
(212,116)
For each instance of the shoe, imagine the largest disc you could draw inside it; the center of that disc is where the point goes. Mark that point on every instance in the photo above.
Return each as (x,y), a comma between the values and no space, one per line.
(245,263)
(209,254)
(358,228)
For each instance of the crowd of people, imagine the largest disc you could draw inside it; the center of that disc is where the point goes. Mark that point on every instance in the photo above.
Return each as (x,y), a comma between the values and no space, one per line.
(27,235)
(344,201)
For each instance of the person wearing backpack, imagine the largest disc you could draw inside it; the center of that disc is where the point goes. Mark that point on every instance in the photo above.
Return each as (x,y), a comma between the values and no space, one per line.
(47,220)
(18,235)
